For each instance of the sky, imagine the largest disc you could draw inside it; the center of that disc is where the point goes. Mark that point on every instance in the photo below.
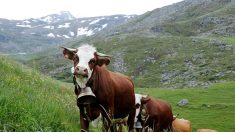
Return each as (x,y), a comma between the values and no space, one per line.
(24,9)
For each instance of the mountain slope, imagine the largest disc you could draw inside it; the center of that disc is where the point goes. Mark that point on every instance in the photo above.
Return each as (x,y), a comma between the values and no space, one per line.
(180,45)
(34,35)
(30,101)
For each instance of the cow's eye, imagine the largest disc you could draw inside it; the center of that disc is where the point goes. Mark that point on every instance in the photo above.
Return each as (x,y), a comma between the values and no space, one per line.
(91,61)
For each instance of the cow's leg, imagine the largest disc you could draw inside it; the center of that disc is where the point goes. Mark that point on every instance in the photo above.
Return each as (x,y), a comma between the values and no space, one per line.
(130,121)
(84,123)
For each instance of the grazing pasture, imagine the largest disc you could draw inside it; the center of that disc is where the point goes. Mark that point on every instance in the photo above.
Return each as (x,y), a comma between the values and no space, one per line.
(30,101)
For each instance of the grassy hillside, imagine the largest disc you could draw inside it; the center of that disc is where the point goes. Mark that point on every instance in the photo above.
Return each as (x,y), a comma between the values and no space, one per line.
(30,101)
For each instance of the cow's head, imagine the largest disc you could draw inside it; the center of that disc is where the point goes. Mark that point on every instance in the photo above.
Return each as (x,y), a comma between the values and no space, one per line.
(141,110)
(139,106)
(85,58)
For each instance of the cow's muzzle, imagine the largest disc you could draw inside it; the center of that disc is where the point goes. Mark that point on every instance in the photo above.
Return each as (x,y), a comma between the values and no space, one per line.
(86,96)
(80,71)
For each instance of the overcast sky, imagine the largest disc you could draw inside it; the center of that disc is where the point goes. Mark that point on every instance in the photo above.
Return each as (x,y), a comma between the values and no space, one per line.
(23,9)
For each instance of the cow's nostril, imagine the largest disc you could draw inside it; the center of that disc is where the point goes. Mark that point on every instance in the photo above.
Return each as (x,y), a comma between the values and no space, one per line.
(85,70)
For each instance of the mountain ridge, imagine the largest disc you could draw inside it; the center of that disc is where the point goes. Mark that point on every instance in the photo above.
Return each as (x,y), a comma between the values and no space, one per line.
(34,35)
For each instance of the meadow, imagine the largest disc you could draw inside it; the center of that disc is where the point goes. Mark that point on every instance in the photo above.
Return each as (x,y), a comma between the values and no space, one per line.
(30,101)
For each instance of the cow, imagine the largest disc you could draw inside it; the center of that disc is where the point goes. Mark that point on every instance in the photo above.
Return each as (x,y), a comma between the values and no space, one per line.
(114,91)
(155,114)
(206,130)
(181,125)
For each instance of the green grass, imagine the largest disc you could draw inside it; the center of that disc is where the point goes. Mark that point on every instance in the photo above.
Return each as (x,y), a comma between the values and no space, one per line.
(212,108)
(229,40)
(30,101)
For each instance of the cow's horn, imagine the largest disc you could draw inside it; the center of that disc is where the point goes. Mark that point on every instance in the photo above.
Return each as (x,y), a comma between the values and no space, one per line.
(70,49)
(102,55)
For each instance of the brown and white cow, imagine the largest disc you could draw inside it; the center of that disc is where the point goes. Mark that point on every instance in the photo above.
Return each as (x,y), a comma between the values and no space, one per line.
(114,91)
(155,114)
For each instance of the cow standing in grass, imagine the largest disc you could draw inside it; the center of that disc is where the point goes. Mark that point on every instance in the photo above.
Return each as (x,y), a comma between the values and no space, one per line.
(114,92)
(155,114)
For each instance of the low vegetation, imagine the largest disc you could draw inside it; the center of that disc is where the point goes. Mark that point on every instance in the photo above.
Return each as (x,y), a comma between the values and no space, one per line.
(30,101)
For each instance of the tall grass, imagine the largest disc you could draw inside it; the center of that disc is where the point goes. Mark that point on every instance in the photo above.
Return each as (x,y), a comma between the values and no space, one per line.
(33,102)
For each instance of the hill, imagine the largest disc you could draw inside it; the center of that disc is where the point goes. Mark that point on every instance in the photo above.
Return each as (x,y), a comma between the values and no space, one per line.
(30,101)
(187,44)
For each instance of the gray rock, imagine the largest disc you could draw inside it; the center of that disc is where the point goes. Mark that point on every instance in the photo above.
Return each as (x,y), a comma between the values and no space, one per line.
(183,102)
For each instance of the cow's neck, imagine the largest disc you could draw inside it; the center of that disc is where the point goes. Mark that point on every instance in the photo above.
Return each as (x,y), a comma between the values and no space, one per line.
(100,82)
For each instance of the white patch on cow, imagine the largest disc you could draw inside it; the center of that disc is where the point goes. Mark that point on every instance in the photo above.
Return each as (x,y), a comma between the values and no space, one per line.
(85,54)
(137,101)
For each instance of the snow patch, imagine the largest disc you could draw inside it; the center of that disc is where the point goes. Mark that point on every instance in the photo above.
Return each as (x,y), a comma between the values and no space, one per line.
(47,19)
(71,33)
(83,21)
(105,25)
(115,17)
(66,25)
(23,25)
(51,35)
(95,21)
(84,31)
(66,36)
(49,27)
(26,21)
(128,17)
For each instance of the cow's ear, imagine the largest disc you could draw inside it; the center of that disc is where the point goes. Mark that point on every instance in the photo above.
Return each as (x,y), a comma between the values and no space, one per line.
(101,59)
(69,53)
(144,100)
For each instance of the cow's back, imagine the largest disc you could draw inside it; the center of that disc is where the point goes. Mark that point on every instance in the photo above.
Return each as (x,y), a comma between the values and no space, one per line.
(181,125)
(161,112)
